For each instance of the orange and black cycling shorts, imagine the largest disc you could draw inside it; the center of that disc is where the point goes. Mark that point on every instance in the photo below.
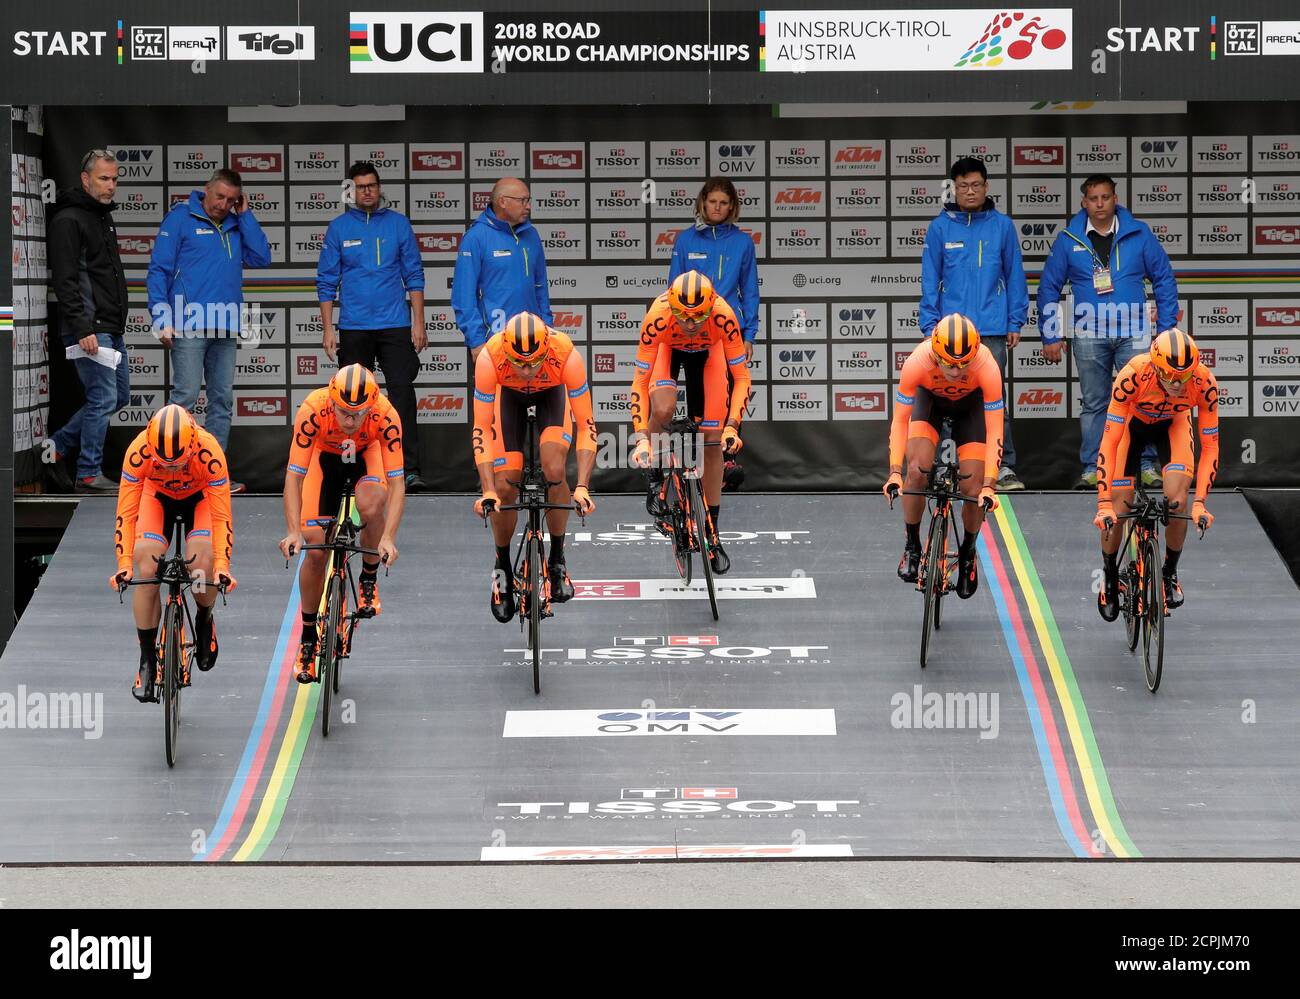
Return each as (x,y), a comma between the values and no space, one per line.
(1173,442)
(328,474)
(967,415)
(512,419)
(706,381)
(156,520)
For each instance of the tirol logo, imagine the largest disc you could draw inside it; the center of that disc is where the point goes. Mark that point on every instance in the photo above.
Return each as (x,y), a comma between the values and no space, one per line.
(1282,317)
(859,402)
(1269,234)
(437,161)
(1039,156)
(267,162)
(261,405)
(417,42)
(136,245)
(438,242)
(545,160)
(1014,36)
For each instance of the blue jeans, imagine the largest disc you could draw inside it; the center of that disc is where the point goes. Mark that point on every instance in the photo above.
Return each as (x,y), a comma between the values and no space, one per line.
(997,346)
(1098,360)
(107,391)
(210,357)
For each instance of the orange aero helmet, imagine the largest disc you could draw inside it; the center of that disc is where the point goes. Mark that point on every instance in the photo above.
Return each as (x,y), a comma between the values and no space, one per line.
(171,434)
(526,339)
(354,388)
(955,341)
(691,296)
(1174,355)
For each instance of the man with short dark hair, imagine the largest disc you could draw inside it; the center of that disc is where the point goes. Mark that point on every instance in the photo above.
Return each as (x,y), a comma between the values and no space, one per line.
(90,286)
(370,261)
(196,293)
(1105,254)
(971,266)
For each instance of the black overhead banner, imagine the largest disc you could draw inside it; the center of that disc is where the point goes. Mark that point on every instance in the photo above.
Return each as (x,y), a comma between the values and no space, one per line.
(707,52)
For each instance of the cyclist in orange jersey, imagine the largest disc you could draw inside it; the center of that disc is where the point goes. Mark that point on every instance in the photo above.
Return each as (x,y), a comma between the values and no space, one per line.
(173,468)
(1151,402)
(691,326)
(346,432)
(951,375)
(530,364)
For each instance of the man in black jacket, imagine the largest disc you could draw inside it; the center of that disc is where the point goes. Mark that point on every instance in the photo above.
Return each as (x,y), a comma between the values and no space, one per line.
(91,288)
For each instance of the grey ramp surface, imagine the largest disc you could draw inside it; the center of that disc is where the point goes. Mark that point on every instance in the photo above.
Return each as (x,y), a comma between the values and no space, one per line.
(423,772)
(1210,764)
(67,796)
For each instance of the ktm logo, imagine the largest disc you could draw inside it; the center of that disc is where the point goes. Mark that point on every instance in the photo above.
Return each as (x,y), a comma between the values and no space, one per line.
(667,237)
(568,320)
(798,196)
(859,154)
(440,402)
(1040,397)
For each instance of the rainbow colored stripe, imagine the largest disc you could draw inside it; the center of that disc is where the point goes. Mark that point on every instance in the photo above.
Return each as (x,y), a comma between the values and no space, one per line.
(1039,655)
(6,317)
(359,43)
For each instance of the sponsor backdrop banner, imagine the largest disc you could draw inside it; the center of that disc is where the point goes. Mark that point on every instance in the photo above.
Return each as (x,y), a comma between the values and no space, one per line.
(837,209)
(23,312)
(546,52)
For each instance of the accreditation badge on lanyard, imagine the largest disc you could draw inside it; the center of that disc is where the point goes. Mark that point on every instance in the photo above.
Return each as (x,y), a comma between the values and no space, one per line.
(1101,282)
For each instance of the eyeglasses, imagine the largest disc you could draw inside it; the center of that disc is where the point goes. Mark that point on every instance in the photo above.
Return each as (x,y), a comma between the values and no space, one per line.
(95,154)
(514,197)
(950,365)
(979,185)
(686,317)
(367,187)
(537,360)
(1182,379)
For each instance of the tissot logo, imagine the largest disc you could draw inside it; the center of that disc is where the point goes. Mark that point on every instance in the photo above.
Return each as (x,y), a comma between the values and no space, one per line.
(418,42)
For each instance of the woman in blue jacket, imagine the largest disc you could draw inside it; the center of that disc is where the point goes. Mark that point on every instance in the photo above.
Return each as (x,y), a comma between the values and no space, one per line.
(721,251)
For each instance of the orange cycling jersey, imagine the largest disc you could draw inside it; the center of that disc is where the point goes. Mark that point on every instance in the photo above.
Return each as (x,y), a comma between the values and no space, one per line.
(563,366)
(922,371)
(315,428)
(660,330)
(1138,394)
(143,478)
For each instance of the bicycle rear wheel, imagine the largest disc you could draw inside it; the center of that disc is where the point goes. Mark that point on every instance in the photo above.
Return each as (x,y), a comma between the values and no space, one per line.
(933,566)
(343,641)
(1153,632)
(330,649)
(536,588)
(700,516)
(173,651)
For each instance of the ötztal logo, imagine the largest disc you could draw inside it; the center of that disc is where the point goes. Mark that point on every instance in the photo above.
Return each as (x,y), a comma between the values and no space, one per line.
(1012,35)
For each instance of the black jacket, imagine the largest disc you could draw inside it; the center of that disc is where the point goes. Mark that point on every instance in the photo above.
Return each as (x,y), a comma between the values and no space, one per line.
(86,267)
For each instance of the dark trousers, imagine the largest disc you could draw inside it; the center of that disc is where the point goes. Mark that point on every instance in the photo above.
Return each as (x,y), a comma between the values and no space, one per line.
(400,364)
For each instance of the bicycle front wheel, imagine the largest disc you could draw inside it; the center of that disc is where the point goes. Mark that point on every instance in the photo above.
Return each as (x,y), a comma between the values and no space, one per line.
(536,589)
(330,649)
(1153,631)
(933,566)
(173,662)
(700,516)
(678,505)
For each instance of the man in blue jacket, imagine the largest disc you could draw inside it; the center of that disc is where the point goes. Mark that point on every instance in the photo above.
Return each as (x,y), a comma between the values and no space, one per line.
(971,266)
(501,269)
(196,293)
(1105,254)
(370,262)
